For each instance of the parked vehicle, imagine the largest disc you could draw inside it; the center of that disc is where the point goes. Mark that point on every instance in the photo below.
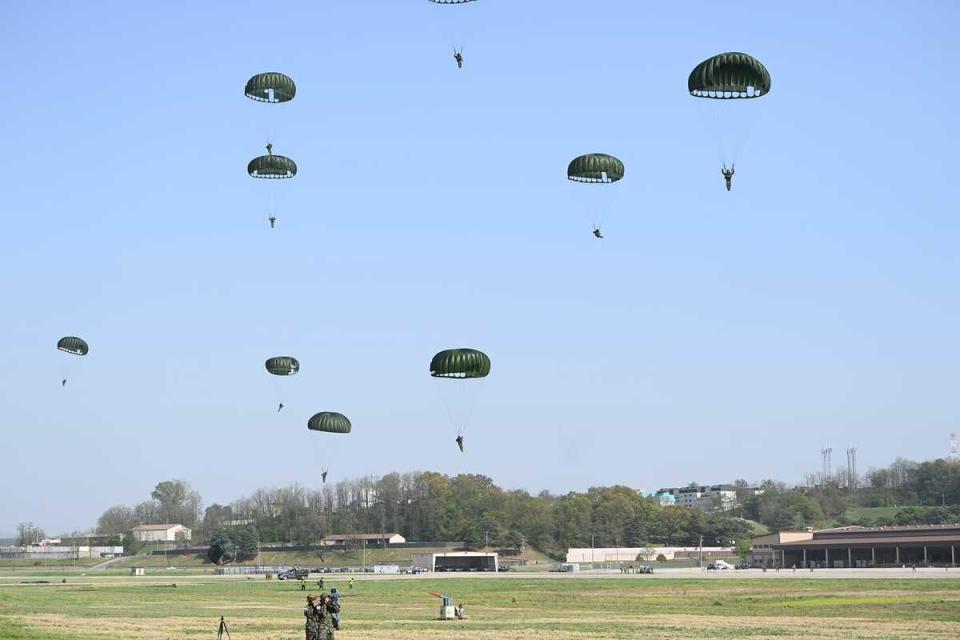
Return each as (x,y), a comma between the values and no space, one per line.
(719,565)
(293,574)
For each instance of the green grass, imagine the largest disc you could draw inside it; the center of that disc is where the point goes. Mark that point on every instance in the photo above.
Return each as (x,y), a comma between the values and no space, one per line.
(870,513)
(106,609)
(40,564)
(353,558)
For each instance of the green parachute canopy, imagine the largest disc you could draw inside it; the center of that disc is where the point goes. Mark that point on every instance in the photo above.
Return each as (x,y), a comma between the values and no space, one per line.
(460,363)
(729,75)
(71,344)
(329,422)
(272,166)
(270,87)
(283,365)
(595,167)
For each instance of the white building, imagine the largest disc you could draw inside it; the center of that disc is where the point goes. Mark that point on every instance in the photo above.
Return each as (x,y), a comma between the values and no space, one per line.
(456,561)
(359,538)
(717,497)
(644,554)
(160,532)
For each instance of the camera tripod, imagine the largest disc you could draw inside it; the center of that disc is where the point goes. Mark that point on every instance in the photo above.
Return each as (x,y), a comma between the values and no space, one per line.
(223,629)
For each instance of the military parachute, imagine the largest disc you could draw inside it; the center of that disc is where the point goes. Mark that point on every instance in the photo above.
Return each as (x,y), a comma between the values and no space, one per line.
(273,87)
(282,367)
(596,168)
(326,451)
(74,346)
(459,371)
(727,86)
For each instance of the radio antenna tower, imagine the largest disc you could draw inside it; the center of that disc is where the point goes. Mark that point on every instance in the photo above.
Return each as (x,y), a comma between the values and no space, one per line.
(827,470)
(953,448)
(852,468)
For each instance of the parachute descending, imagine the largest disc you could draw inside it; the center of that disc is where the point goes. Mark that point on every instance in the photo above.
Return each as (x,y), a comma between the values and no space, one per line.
(329,422)
(729,76)
(283,365)
(272,167)
(273,87)
(74,345)
(728,83)
(595,168)
(460,363)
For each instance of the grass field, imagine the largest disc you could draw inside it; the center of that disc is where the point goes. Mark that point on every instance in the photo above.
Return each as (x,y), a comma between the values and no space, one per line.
(353,558)
(152,608)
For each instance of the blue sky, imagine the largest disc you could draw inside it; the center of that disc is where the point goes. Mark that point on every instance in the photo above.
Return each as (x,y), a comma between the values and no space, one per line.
(709,336)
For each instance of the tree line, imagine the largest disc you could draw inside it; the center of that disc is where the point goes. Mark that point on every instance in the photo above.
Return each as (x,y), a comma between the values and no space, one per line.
(429,506)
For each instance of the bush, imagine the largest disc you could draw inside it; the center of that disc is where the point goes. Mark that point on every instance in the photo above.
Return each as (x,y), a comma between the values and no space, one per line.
(661,558)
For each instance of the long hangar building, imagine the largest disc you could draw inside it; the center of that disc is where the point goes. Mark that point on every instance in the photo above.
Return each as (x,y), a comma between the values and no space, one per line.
(860,547)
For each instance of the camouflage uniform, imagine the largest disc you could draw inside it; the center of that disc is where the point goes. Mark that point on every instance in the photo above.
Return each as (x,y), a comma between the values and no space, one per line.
(312,625)
(326,620)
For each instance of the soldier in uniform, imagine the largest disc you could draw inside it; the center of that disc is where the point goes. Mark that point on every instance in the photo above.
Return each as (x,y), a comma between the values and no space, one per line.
(313,618)
(728,176)
(326,612)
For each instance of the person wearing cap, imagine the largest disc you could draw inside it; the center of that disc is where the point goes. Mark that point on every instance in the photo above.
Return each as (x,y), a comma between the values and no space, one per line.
(310,612)
(335,596)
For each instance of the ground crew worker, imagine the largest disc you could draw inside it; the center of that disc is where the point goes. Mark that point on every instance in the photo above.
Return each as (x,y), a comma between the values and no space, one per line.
(320,584)
(303,584)
(351,583)
(310,612)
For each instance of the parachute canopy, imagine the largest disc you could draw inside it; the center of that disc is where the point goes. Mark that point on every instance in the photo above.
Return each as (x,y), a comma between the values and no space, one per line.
(283,365)
(451,1)
(729,75)
(329,422)
(595,167)
(460,363)
(71,344)
(270,87)
(272,166)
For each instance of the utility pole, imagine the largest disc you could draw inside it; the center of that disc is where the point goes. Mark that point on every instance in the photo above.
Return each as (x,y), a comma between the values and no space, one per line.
(827,470)
(852,468)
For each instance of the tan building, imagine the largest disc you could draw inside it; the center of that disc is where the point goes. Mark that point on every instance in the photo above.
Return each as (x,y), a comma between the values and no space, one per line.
(762,553)
(160,532)
(924,545)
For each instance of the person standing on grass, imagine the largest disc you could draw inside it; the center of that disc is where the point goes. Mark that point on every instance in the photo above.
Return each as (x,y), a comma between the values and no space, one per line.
(312,615)
(326,611)
(335,596)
